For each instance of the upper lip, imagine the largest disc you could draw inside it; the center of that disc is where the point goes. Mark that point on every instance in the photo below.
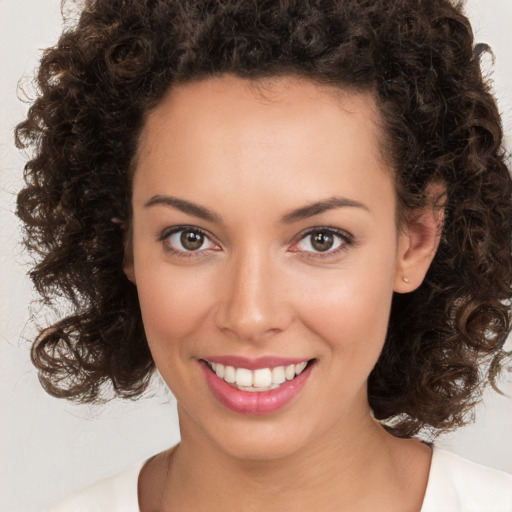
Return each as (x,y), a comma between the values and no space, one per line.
(256,363)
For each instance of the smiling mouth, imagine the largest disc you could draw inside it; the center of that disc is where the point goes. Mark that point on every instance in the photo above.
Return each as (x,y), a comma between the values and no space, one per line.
(261,379)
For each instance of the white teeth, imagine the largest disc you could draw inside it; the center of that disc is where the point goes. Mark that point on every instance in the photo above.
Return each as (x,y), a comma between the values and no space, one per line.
(220,371)
(278,376)
(253,389)
(229,374)
(300,367)
(289,372)
(243,377)
(262,379)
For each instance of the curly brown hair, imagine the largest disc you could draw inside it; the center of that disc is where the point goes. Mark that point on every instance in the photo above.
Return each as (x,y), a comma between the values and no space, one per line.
(96,86)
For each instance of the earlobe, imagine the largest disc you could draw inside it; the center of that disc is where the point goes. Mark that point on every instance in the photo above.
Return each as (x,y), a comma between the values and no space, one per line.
(419,240)
(129,271)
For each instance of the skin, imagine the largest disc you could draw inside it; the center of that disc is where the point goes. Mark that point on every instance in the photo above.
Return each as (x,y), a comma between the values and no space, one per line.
(251,155)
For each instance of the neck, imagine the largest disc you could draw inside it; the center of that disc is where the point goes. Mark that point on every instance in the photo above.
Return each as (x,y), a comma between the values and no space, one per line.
(338,468)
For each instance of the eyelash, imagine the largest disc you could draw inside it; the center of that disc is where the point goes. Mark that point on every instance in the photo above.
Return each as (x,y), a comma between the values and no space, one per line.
(182,253)
(346,241)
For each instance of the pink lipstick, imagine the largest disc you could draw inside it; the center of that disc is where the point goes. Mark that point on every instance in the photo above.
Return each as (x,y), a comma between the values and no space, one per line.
(253,401)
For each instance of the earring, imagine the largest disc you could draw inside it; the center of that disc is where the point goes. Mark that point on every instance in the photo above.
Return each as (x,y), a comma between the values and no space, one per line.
(405,280)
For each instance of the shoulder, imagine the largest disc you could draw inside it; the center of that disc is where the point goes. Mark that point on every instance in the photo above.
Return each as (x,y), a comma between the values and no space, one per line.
(459,485)
(117,493)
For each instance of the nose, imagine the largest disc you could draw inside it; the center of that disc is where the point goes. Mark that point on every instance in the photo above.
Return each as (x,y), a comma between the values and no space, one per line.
(253,304)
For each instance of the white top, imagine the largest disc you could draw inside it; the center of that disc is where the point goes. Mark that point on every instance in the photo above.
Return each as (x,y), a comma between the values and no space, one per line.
(454,485)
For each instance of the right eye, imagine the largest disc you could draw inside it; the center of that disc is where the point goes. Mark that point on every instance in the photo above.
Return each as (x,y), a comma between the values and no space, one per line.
(187,242)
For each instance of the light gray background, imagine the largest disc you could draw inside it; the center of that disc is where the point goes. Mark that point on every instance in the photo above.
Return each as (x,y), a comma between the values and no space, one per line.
(48,447)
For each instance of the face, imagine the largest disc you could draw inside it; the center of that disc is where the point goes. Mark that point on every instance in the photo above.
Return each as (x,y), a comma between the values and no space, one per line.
(264,237)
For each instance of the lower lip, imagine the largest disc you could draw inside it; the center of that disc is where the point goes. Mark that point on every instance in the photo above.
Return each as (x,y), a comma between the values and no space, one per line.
(254,402)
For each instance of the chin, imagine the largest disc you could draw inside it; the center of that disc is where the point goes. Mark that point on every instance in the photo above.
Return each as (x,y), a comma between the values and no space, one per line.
(263,447)
(268,437)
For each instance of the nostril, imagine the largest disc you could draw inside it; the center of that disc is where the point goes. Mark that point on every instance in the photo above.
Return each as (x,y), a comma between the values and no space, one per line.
(253,324)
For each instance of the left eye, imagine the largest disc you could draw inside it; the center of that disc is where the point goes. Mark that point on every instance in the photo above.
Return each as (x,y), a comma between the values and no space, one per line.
(188,240)
(321,241)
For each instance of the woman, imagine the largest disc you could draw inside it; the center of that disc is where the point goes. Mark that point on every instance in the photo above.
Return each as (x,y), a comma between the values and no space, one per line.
(300,214)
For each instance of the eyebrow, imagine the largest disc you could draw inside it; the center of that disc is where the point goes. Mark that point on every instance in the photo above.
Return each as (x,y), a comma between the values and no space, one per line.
(291,217)
(320,207)
(186,207)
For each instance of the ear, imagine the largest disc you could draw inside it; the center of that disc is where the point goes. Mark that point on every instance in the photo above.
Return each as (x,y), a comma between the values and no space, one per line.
(419,239)
(128,263)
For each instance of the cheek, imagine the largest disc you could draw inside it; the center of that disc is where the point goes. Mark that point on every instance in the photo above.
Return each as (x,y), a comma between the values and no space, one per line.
(351,312)
(350,308)
(173,301)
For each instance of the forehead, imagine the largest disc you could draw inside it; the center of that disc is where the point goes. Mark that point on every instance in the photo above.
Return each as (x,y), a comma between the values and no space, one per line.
(226,132)
(211,104)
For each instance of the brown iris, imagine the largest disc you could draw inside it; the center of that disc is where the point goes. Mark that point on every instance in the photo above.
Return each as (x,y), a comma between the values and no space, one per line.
(322,241)
(191,240)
